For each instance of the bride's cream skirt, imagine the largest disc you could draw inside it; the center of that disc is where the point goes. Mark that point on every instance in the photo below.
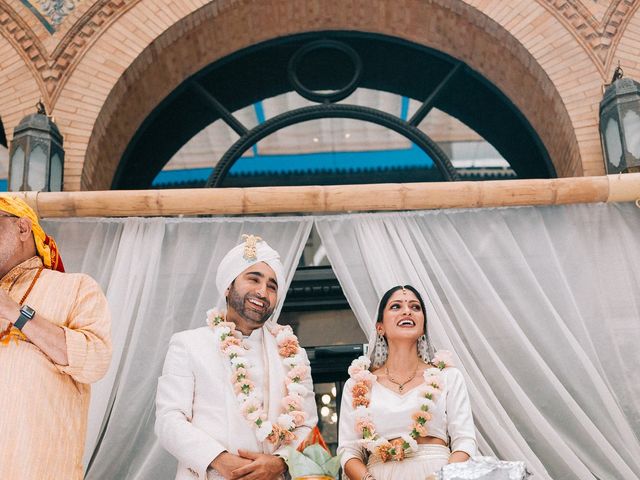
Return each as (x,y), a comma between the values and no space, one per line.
(427,460)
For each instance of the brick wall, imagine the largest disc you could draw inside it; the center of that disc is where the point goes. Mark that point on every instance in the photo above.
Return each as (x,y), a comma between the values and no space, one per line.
(113,61)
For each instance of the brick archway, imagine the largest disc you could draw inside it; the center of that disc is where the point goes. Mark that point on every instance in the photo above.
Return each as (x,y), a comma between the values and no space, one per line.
(211,32)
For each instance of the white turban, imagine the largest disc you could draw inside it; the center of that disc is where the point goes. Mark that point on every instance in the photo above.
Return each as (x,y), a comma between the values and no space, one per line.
(242,257)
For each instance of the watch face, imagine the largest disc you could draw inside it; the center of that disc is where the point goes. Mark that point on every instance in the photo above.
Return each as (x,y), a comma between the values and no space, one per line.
(27,311)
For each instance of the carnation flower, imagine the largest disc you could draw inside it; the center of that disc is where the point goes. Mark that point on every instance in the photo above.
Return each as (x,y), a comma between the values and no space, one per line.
(287,436)
(384,452)
(360,401)
(277,432)
(298,388)
(264,430)
(360,390)
(288,348)
(286,421)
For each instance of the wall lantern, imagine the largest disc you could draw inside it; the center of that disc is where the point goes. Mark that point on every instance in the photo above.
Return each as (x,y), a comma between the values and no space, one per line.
(620,124)
(36,158)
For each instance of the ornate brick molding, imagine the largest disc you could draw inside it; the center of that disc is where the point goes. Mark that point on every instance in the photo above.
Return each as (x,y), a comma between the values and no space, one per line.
(599,38)
(52,69)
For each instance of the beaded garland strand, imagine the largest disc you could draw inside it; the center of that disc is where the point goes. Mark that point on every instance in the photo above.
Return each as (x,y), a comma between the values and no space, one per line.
(233,347)
(363,381)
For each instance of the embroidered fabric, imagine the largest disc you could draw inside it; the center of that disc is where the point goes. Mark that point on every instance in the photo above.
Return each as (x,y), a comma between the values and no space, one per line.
(484,468)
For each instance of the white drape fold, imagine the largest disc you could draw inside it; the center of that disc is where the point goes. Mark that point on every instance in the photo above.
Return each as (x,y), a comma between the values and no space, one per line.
(159,278)
(540,306)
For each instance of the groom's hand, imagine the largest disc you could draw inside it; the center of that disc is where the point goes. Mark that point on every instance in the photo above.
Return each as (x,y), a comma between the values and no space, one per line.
(262,467)
(226,463)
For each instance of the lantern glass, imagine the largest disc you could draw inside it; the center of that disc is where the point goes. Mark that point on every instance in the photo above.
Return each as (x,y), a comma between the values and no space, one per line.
(17,170)
(55,177)
(631,122)
(613,143)
(36,177)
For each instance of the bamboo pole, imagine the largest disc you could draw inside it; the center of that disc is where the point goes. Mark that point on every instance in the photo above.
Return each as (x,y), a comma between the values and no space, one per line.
(335,199)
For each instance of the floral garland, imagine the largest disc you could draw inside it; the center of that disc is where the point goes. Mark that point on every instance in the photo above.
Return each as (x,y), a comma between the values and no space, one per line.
(361,392)
(251,406)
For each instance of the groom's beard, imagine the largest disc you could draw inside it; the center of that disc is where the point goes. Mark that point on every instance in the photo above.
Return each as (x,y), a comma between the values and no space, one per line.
(248,311)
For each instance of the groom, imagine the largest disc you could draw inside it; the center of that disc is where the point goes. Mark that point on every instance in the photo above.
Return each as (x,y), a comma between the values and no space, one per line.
(235,394)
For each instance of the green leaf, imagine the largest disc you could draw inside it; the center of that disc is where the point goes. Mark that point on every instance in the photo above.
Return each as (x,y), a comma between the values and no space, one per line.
(332,467)
(316,453)
(301,465)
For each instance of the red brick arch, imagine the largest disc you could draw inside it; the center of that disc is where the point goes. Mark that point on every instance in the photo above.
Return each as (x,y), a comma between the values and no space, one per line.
(455,28)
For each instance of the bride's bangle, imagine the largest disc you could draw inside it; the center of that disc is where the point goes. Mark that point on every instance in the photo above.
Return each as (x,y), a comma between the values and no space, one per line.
(367,476)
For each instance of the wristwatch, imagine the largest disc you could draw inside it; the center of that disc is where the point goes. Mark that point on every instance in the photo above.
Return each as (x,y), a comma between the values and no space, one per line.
(26,314)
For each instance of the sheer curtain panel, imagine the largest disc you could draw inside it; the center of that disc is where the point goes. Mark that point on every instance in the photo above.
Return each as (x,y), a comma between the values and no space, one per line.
(159,278)
(540,306)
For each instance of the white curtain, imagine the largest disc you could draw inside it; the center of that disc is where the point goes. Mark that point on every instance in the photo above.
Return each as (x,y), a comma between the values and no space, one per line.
(541,307)
(159,278)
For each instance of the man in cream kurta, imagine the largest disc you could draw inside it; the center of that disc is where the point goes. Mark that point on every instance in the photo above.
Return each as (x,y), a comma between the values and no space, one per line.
(200,417)
(48,361)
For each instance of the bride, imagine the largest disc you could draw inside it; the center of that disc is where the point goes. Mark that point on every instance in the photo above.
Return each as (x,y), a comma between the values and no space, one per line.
(405,411)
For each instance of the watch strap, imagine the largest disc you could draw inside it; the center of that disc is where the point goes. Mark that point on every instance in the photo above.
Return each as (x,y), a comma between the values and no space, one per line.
(26,314)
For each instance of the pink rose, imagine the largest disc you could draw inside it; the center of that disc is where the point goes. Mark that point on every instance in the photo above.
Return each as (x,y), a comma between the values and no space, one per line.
(292,402)
(299,373)
(244,386)
(442,359)
(299,417)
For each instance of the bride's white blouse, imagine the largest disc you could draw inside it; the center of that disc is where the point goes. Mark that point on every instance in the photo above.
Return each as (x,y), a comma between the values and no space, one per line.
(391,413)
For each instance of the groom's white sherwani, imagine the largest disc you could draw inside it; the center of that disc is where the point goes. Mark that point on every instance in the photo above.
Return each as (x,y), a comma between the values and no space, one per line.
(197,412)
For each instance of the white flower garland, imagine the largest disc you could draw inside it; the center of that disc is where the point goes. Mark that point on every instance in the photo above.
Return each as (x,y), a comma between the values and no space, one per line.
(361,393)
(233,347)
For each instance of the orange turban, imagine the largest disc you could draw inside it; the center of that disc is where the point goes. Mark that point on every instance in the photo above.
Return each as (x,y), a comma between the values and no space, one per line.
(45,245)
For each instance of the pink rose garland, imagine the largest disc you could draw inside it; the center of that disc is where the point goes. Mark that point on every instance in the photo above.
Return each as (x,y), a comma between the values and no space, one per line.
(361,398)
(233,347)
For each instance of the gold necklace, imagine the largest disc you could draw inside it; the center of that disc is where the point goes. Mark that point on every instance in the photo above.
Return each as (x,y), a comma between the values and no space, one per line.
(401,384)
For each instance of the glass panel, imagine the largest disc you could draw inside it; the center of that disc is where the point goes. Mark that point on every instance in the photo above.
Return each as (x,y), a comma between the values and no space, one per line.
(325,327)
(17,170)
(327,404)
(36,175)
(612,142)
(55,176)
(333,151)
(631,122)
